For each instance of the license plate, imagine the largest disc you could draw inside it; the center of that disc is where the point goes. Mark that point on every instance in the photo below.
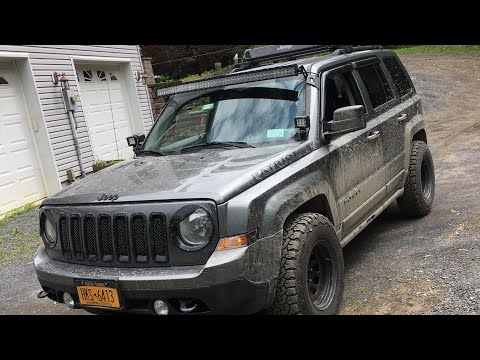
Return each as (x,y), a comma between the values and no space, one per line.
(98,293)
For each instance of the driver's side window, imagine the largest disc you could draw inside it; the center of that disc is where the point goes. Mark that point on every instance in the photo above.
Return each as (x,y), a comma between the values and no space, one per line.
(340,91)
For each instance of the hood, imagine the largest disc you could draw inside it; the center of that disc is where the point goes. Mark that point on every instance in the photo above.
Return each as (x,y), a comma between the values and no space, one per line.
(214,174)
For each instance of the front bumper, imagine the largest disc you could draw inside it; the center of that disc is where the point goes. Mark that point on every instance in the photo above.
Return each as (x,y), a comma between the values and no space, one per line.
(237,281)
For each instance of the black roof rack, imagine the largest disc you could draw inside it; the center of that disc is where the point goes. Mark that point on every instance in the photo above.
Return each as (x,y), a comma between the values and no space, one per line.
(276,53)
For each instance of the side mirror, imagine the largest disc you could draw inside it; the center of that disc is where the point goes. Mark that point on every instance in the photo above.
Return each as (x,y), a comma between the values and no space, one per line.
(345,120)
(136,141)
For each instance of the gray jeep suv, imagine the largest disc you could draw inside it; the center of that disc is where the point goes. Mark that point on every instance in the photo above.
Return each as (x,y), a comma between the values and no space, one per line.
(245,190)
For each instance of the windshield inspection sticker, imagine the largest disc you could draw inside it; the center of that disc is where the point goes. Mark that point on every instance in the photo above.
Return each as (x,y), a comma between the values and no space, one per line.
(207,107)
(280,133)
(275,133)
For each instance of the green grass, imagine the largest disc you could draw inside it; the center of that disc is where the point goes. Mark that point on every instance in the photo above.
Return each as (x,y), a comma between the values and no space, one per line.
(106,162)
(21,248)
(439,49)
(18,241)
(16,212)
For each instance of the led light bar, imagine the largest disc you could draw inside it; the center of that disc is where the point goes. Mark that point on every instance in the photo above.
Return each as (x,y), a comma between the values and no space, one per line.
(234,79)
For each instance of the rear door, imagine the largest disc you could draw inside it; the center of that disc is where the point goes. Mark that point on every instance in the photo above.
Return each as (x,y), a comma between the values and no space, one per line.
(394,126)
(384,113)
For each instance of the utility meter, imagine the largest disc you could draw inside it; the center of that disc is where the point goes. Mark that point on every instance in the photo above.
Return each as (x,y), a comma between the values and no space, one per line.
(70,99)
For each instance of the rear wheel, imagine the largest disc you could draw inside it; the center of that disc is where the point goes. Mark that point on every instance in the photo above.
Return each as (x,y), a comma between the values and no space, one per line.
(312,271)
(419,189)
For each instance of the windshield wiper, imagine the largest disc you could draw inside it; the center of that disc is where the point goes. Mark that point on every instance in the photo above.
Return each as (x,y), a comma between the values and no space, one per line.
(237,144)
(154,153)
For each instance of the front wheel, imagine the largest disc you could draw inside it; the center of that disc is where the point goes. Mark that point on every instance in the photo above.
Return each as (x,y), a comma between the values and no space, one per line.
(311,275)
(419,189)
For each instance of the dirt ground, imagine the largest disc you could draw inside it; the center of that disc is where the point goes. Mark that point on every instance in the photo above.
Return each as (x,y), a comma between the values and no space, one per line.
(396,265)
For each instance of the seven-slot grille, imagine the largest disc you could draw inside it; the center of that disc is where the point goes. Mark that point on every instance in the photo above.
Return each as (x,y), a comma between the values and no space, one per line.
(119,238)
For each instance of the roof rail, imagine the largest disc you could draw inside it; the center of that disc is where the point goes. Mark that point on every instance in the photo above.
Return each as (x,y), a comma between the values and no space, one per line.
(275,53)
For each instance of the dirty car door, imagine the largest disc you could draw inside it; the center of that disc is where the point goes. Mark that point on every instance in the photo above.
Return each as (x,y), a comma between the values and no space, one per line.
(360,180)
(396,119)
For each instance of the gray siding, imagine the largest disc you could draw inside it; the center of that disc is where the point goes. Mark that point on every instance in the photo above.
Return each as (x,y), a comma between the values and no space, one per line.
(44,60)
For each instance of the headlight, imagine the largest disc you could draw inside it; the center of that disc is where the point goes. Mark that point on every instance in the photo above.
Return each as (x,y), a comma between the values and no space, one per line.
(196,230)
(48,228)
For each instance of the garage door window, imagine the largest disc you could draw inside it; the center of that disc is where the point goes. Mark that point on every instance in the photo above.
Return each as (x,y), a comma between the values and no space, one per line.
(101,75)
(87,75)
(3,81)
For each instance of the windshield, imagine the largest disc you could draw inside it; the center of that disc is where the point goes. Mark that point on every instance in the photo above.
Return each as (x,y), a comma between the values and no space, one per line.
(258,114)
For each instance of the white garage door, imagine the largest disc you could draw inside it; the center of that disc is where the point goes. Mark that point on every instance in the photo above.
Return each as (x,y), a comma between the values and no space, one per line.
(20,176)
(103,95)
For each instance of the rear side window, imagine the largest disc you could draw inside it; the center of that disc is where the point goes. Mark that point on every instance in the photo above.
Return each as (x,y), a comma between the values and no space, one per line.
(376,83)
(399,76)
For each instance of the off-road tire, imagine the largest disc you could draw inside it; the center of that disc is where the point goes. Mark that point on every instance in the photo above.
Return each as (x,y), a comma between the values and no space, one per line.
(417,198)
(302,233)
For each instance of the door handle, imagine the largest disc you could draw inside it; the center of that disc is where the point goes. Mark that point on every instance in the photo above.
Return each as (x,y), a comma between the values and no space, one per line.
(402,118)
(373,135)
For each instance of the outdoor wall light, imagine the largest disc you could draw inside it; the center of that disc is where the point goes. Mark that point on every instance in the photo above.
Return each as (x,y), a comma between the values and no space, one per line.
(141,75)
(62,79)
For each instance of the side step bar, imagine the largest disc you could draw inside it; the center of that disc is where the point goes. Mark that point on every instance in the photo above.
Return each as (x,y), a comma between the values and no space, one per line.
(364,224)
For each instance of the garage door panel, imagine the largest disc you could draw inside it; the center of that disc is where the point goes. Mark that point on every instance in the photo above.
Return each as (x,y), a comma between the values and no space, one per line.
(23,158)
(122,134)
(12,103)
(9,202)
(16,133)
(6,179)
(106,111)
(20,175)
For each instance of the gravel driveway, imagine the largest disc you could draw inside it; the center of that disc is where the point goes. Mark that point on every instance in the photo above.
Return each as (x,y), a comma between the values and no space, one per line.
(429,265)
(396,265)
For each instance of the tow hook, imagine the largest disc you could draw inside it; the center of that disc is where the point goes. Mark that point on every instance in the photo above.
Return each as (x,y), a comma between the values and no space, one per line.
(184,307)
(42,294)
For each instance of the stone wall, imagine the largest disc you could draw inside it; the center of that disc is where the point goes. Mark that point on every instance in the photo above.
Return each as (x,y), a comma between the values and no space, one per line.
(157,102)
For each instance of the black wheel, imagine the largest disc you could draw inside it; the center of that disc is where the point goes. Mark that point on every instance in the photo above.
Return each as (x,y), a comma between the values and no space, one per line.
(419,188)
(311,272)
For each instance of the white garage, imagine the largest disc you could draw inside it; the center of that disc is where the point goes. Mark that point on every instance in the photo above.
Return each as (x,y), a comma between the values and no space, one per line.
(20,175)
(107,110)
(43,146)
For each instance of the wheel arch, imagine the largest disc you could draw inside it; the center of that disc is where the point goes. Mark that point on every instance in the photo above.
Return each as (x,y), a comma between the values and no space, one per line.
(318,204)
(420,135)
(415,130)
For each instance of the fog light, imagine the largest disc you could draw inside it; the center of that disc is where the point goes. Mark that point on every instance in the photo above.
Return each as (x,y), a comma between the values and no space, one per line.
(68,300)
(160,307)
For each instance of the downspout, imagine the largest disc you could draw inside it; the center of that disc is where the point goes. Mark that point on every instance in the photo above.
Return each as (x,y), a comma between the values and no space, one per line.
(70,101)
(73,125)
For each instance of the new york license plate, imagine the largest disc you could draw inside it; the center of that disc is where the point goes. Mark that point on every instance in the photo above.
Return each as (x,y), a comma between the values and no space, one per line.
(98,293)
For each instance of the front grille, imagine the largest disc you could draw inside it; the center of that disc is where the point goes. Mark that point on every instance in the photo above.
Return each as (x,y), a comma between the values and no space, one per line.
(139,237)
(105,237)
(64,238)
(114,238)
(120,229)
(158,231)
(89,237)
(76,237)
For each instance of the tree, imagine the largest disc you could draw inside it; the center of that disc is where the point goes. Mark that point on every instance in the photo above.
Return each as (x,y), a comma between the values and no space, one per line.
(178,61)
